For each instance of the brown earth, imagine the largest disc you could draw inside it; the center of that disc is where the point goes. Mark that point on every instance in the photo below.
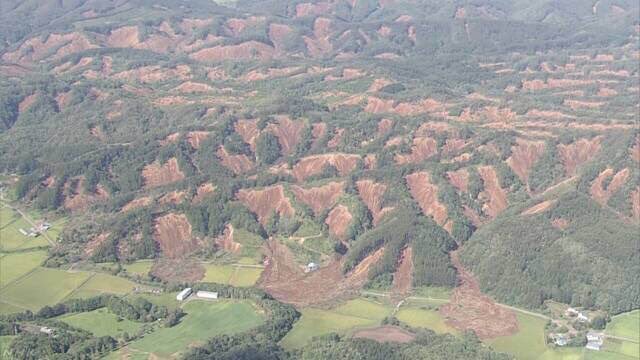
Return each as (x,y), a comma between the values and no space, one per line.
(470,309)
(606,92)
(158,175)
(226,242)
(267,201)
(62,99)
(403,277)
(194,138)
(336,139)
(307,9)
(384,31)
(453,145)
(285,280)
(178,270)
(394,141)
(422,149)
(237,163)
(203,191)
(635,203)
(248,131)
(278,34)
(193,87)
(173,233)
(255,75)
(319,44)
(495,195)
(172,100)
(170,139)
(154,73)
(288,133)
(78,198)
(173,197)
(321,197)
(370,161)
(553,83)
(523,155)
(535,113)
(97,133)
(384,126)
(602,194)
(539,208)
(575,154)
(378,84)
(459,179)
(314,164)
(60,45)
(95,243)
(246,50)
(426,195)
(577,104)
(560,223)
(635,150)
(377,105)
(136,203)
(385,333)
(372,194)
(339,220)
(347,74)
(27,102)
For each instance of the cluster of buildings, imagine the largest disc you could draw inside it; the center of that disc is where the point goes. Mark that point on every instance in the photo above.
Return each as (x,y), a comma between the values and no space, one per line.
(38,229)
(595,339)
(200,294)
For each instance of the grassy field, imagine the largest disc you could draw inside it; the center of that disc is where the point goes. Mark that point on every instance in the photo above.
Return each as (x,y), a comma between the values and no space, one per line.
(5,342)
(204,320)
(139,267)
(625,325)
(12,239)
(351,315)
(104,284)
(101,322)
(231,275)
(430,319)
(15,265)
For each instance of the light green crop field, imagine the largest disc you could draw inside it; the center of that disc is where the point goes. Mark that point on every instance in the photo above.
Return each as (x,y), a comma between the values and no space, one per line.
(231,275)
(625,325)
(354,314)
(15,265)
(429,319)
(217,273)
(7,216)
(42,287)
(204,319)
(101,322)
(5,342)
(244,277)
(104,283)
(11,238)
(139,267)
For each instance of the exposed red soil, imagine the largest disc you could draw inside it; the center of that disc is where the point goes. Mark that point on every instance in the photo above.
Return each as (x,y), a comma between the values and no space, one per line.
(607,73)
(539,208)
(386,333)
(237,26)
(255,75)
(237,163)
(154,73)
(459,179)
(433,126)
(426,195)
(170,139)
(178,271)
(312,165)
(560,223)
(136,203)
(226,242)
(27,102)
(603,58)
(575,154)
(453,145)
(384,31)
(285,280)
(387,56)
(422,149)
(403,277)
(523,155)
(577,104)
(384,126)
(338,221)
(538,84)
(68,66)
(78,198)
(97,133)
(635,203)
(404,18)
(95,243)
(496,196)
(288,133)
(321,197)
(173,233)
(35,49)
(370,161)
(377,105)
(319,44)
(635,150)
(347,74)
(203,191)
(278,34)
(62,99)
(246,50)
(267,201)
(489,113)
(336,139)
(193,87)
(172,100)
(470,309)
(602,194)
(158,175)
(194,138)
(547,114)
(372,194)
(394,141)
(307,9)
(248,131)
(606,92)
(173,197)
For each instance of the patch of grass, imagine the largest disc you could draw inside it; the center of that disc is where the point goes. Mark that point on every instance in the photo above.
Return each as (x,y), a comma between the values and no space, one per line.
(364,308)
(251,244)
(139,267)
(104,283)
(244,277)
(625,325)
(5,342)
(7,216)
(231,275)
(423,318)
(13,266)
(165,299)
(10,236)
(42,287)
(308,228)
(622,348)
(204,319)
(101,322)
(9,309)
(527,343)
(217,273)
(435,292)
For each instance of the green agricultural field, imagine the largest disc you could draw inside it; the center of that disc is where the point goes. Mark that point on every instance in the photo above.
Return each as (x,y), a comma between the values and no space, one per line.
(166,299)
(5,342)
(139,267)
(10,236)
(423,318)
(101,322)
(625,325)
(15,265)
(7,216)
(621,349)
(204,320)
(217,273)
(103,283)
(244,276)
(315,322)
(231,275)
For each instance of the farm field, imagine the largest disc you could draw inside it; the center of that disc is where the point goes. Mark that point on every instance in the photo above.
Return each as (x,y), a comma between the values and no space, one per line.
(139,267)
(203,320)
(5,341)
(101,322)
(12,239)
(231,275)
(429,319)
(353,314)
(625,325)
(15,265)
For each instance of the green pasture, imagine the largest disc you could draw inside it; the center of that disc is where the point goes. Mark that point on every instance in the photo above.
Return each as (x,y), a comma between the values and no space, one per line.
(102,322)
(15,265)
(423,318)
(626,325)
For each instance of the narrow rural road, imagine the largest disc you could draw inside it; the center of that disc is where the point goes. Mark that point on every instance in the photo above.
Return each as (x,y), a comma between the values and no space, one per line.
(29,220)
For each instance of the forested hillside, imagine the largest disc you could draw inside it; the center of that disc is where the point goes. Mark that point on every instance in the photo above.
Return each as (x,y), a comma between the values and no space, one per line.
(395,144)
